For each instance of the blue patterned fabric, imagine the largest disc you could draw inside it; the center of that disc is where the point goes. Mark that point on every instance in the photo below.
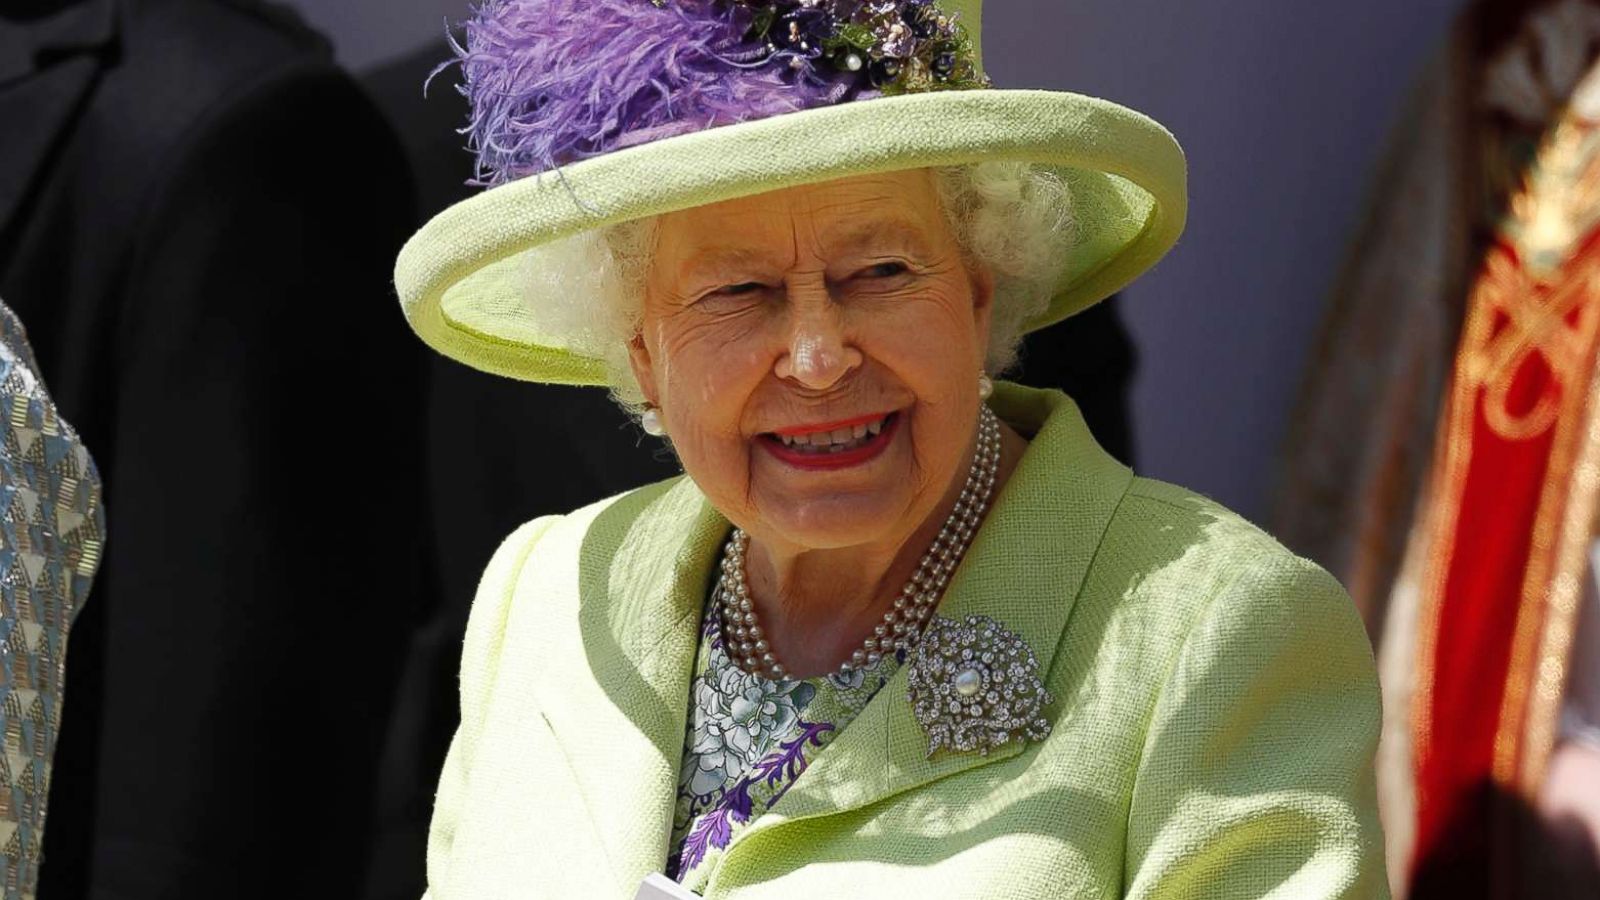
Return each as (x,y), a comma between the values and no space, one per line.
(51,529)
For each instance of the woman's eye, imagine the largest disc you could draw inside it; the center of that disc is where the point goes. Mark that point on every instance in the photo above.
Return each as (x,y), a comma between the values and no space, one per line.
(735,290)
(886,270)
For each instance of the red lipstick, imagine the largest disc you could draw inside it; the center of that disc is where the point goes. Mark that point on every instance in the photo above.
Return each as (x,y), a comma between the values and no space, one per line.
(843,459)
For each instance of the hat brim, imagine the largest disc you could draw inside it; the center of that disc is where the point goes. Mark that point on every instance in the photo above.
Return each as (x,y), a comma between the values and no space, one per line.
(458,279)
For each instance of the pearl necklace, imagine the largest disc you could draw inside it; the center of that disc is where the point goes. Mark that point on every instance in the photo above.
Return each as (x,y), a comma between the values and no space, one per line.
(902,625)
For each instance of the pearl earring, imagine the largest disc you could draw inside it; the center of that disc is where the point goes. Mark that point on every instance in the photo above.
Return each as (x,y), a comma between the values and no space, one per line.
(650,421)
(985,385)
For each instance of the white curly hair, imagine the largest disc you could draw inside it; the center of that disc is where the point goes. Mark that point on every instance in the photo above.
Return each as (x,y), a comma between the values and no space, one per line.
(1012,218)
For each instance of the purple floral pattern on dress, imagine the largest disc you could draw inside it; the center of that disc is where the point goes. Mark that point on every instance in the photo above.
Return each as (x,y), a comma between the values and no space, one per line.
(748,741)
(714,829)
(783,767)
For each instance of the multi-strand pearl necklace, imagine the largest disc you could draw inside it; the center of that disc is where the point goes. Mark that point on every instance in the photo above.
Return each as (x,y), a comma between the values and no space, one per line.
(902,625)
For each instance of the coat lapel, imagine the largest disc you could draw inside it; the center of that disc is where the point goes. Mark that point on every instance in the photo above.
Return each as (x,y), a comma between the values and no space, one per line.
(646,564)
(1024,570)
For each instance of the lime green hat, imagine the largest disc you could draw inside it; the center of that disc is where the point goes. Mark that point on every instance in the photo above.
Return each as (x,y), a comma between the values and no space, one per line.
(588,113)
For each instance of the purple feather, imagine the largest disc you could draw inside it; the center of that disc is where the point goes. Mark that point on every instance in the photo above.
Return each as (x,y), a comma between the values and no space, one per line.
(556,81)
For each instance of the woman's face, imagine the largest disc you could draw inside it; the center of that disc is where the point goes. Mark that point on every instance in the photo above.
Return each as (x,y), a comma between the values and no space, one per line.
(815,353)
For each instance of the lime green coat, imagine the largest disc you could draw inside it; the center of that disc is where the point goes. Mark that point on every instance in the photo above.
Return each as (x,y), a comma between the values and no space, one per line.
(1214,722)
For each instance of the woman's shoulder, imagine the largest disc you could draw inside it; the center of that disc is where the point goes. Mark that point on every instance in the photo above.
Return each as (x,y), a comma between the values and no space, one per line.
(1191,558)
(1158,535)
(547,555)
(543,558)
(1258,686)
(1159,523)
(1190,603)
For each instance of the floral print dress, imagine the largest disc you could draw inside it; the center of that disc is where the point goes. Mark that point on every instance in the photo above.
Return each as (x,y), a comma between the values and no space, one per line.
(748,740)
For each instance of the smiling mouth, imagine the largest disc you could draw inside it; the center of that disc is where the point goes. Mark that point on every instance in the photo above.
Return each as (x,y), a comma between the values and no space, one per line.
(834,440)
(834,445)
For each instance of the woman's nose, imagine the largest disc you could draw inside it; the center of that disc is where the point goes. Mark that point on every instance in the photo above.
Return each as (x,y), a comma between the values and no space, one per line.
(819,355)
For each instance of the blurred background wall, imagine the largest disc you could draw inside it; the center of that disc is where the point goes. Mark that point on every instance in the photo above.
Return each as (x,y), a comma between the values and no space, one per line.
(1282,107)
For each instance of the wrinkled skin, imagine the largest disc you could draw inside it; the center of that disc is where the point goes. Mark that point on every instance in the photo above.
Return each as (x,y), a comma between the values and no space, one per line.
(811,305)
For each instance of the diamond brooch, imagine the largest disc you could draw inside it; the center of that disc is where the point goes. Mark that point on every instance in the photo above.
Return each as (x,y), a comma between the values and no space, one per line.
(975,686)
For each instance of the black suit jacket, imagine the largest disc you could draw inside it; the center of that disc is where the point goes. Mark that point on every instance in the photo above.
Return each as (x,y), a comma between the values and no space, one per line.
(198,216)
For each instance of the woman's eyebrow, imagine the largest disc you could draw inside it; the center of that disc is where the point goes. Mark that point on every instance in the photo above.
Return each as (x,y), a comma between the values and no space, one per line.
(709,263)
(881,232)
(713,261)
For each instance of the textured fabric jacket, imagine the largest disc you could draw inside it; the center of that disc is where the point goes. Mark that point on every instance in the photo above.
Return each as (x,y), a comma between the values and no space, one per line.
(1214,718)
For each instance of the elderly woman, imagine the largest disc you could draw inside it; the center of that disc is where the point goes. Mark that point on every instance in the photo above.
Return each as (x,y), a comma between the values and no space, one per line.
(900,627)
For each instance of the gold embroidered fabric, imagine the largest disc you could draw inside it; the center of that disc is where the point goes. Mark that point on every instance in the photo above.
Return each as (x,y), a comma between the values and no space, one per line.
(51,529)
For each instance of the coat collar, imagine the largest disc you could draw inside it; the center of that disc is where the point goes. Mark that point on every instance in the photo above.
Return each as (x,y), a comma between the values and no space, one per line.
(1023,569)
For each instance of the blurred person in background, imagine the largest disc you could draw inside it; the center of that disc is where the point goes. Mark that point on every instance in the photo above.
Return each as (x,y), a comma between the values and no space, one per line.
(51,536)
(197,214)
(1445,455)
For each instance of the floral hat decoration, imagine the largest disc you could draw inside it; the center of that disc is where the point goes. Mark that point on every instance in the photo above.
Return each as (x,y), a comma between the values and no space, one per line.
(588,113)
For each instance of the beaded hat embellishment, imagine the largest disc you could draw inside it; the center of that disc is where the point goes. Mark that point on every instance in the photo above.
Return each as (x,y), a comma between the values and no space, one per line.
(896,46)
